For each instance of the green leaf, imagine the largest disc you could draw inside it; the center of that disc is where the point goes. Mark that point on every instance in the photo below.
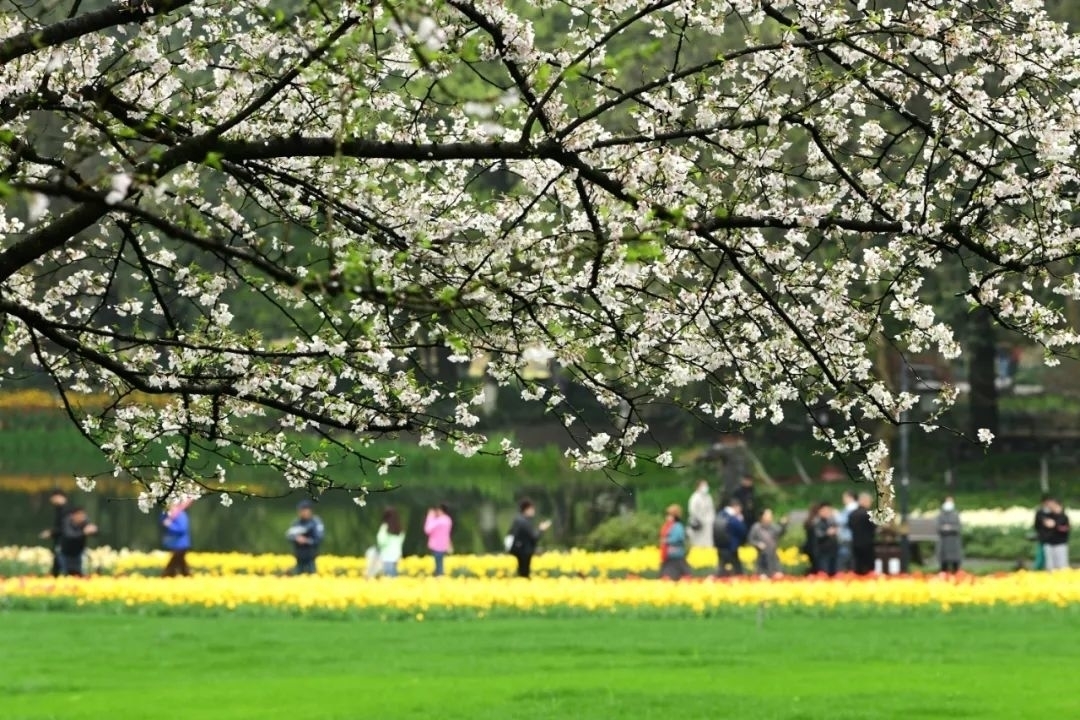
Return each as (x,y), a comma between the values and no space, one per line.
(213,159)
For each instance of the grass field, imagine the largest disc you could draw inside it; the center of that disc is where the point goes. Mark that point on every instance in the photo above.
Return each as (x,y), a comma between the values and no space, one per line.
(1006,663)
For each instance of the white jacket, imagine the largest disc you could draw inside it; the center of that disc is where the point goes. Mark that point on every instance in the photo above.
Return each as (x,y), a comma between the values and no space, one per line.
(702,512)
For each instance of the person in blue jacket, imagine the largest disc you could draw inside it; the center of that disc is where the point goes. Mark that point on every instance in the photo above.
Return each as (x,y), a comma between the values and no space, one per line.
(306,534)
(729,534)
(673,565)
(176,538)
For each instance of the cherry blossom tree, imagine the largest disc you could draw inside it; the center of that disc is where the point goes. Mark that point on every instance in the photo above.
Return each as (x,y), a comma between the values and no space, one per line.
(728,205)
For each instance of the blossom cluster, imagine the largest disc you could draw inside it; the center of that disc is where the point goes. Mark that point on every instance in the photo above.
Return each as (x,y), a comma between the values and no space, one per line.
(735,206)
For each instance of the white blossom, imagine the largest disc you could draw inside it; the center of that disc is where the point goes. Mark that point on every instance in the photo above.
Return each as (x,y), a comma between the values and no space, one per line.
(118,188)
(36,207)
(275,233)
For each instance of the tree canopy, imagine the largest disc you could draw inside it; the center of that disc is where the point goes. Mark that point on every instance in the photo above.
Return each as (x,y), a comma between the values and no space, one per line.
(728,205)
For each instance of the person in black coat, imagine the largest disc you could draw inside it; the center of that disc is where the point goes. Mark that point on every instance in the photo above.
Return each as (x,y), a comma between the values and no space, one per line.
(747,501)
(524,536)
(863,531)
(77,528)
(826,539)
(58,499)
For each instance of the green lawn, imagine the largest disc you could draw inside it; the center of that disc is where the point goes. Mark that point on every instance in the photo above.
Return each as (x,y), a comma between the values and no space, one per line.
(1002,664)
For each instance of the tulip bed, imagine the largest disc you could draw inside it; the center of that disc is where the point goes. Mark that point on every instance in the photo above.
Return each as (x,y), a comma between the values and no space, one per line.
(573,563)
(425,598)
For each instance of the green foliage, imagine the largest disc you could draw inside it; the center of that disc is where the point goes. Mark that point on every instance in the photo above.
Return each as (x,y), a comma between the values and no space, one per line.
(1007,544)
(624,532)
(45,443)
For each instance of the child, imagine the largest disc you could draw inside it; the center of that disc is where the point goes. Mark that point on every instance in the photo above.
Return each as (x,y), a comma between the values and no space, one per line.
(76,528)
(176,538)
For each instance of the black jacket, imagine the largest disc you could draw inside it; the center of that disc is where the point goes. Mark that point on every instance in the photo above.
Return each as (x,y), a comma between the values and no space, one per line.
(526,536)
(862,528)
(61,513)
(745,496)
(1043,533)
(312,529)
(1059,534)
(825,545)
(72,537)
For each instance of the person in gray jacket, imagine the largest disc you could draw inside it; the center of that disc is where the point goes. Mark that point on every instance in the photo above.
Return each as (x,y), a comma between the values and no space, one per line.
(950,549)
(765,536)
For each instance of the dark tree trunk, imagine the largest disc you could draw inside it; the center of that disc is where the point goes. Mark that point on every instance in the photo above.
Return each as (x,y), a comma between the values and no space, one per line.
(984,400)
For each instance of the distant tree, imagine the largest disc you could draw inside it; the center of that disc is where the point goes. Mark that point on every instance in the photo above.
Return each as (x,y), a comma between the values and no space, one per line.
(749,204)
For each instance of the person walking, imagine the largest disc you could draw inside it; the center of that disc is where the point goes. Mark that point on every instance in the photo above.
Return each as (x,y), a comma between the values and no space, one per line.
(950,548)
(765,536)
(73,536)
(843,557)
(673,547)
(701,513)
(389,541)
(306,534)
(176,538)
(437,526)
(826,539)
(863,532)
(729,534)
(1056,548)
(58,499)
(525,536)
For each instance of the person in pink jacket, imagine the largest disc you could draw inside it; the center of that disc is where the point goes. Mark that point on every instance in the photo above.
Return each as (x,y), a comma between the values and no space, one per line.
(437,527)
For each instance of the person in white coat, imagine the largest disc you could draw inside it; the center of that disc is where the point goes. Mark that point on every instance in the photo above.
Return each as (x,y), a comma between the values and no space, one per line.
(702,512)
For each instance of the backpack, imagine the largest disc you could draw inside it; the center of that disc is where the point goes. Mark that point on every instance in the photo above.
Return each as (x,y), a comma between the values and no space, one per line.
(720,535)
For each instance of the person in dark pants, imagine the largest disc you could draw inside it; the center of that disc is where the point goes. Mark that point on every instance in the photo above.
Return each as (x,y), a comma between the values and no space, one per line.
(747,500)
(77,528)
(808,542)
(176,538)
(673,566)
(729,534)
(306,534)
(826,539)
(863,531)
(525,536)
(950,547)
(61,508)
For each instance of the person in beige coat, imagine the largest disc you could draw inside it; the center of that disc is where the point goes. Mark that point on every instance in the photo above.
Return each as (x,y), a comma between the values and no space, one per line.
(702,512)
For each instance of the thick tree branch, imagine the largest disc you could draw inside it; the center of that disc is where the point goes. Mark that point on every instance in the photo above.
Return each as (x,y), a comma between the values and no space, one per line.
(122,12)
